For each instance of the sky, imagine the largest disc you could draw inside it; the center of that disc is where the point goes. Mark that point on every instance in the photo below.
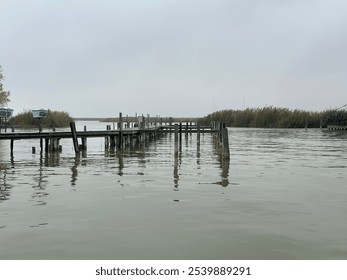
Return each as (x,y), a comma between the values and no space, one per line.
(179,58)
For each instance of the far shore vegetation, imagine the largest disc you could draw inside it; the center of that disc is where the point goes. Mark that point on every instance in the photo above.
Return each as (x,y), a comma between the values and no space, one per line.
(266,117)
(273,117)
(53,119)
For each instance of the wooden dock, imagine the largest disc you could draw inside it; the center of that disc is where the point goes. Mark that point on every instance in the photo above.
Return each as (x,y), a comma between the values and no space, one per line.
(120,137)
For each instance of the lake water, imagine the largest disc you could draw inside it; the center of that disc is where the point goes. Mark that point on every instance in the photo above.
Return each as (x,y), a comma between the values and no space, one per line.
(282,195)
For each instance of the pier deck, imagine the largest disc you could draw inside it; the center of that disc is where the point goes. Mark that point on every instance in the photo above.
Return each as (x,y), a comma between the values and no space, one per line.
(113,138)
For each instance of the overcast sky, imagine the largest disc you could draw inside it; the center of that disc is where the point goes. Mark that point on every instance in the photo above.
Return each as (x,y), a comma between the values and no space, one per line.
(173,57)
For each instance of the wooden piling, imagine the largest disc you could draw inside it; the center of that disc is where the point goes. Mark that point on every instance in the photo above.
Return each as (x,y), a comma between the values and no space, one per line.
(225,137)
(198,133)
(112,142)
(180,132)
(120,140)
(84,140)
(176,139)
(11,147)
(46,145)
(74,137)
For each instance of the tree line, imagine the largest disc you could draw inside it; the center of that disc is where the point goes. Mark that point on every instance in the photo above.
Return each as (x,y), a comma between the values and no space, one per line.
(273,117)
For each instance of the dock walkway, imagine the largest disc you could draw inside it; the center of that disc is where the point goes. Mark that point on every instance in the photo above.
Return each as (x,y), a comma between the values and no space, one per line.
(113,138)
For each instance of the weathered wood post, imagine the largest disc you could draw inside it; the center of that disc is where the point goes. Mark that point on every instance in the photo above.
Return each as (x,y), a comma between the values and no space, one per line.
(41,145)
(225,137)
(220,129)
(120,123)
(84,139)
(198,133)
(180,132)
(176,139)
(11,147)
(107,139)
(46,145)
(74,137)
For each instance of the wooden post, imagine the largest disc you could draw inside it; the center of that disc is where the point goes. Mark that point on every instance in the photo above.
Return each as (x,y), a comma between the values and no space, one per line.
(176,139)
(112,141)
(11,147)
(225,137)
(84,140)
(198,133)
(120,140)
(74,137)
(46,145)
(33,150)
(41,145)
(180,132)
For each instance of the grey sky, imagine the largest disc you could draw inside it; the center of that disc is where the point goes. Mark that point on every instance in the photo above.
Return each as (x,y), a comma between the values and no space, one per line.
(173,57)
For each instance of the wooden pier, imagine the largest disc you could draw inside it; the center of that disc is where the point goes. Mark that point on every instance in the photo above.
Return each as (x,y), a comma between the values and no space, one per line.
(116,138)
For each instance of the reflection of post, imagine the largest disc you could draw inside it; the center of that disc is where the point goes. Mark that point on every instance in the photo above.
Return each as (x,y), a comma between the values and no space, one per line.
(176,176)
(225,171)
(198,133)
(121,164)
(5,189)
(198,154)
(75,171)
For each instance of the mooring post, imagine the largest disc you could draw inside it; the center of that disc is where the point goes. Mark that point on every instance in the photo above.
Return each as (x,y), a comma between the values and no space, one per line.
(120,140)
(180,132)
(176,139)
(198,133)
(46,144)
(11,147)
(41,145)
(220,128)
(84,140)
(107,139)
(74,137)
(225,137)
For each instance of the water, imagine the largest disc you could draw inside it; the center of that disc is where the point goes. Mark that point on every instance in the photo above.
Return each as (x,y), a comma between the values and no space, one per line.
(282,195)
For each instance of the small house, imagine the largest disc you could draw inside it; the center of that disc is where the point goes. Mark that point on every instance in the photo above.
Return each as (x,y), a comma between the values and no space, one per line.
(6,113)
(39,114)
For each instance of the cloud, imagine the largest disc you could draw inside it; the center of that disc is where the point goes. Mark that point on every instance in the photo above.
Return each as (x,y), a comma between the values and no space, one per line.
(153,56)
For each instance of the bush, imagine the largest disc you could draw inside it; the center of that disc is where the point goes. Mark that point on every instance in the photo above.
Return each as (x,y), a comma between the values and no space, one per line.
(53,119)
(267,117)
(334,117)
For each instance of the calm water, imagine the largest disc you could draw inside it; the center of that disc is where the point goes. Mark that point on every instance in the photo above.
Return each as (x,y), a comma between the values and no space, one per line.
(282,195)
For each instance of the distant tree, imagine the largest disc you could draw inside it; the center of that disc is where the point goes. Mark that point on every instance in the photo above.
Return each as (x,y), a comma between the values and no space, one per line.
(4,95)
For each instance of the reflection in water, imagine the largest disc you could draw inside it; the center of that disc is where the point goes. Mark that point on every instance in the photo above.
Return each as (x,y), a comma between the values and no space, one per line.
(39,194)
(260,216)
(74,170)
(120,163)
(198,155)
(224,163)
(176,176)
(5,188)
